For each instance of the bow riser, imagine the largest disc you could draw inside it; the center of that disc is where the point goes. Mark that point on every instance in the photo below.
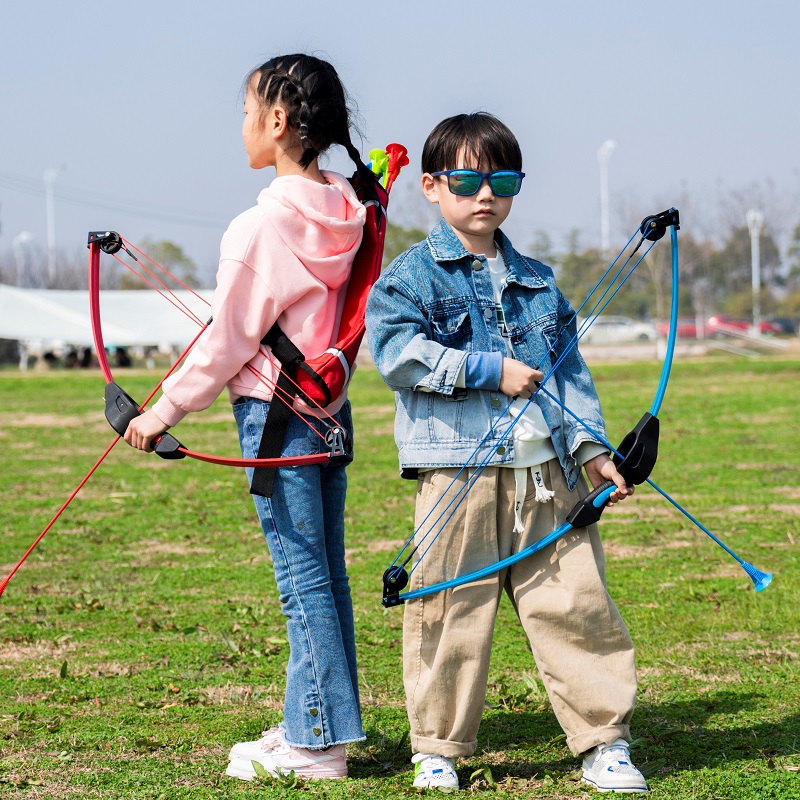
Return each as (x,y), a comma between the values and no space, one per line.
(121,408)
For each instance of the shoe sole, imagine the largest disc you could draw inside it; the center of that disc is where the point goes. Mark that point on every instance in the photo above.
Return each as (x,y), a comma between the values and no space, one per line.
(617,789)
(243,769)
(435,785)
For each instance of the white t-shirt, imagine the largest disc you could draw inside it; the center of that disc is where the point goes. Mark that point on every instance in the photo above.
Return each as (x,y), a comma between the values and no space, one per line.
(532,443)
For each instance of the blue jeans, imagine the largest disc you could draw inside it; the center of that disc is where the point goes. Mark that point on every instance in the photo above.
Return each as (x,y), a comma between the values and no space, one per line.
(303,524)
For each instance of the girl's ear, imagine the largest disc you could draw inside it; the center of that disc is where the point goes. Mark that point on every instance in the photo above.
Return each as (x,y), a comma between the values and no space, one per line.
(430,188)
(277,121)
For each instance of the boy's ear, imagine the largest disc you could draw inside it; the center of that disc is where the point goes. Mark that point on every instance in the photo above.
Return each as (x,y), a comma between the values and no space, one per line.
(430,187)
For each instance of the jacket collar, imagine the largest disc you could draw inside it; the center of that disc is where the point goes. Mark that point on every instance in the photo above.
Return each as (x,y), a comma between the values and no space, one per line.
(446,246)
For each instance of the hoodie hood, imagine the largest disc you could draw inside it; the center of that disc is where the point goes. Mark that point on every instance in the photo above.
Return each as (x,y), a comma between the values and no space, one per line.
(321,223)
(285,260)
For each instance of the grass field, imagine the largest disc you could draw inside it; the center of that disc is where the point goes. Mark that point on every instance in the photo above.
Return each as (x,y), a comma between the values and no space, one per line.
(144,635)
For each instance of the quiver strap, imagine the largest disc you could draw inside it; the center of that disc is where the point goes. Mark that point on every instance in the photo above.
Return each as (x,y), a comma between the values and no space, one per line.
(280,409)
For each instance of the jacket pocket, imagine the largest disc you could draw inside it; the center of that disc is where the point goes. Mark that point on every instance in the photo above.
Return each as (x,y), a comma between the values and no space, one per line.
(452,327)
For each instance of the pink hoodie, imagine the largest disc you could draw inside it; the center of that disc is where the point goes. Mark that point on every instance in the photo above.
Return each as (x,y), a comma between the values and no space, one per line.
(286,259)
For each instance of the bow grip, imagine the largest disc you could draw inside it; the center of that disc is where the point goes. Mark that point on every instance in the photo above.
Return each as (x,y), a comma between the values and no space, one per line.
(588,509)
(121,408)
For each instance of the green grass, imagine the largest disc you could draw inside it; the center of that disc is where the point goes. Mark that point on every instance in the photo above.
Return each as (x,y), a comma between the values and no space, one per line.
(144,635)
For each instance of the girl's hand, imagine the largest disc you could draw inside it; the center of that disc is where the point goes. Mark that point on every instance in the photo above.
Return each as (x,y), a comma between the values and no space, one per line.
(143,429)
(518,379)
(600,469)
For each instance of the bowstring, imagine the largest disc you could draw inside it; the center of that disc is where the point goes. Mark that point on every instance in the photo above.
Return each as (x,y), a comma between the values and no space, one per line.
(600,281)
(460,495)
(164,291)
(91,472)
(167,293)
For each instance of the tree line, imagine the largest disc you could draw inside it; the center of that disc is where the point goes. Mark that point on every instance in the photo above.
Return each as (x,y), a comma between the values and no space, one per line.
(715,274)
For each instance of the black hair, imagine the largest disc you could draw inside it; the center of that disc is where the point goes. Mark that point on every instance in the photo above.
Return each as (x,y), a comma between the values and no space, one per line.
(315,101)
(479,136)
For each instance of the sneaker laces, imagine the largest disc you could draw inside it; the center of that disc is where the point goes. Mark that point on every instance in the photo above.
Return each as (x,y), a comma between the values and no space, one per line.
(435,767)
(617,756)
(272,739)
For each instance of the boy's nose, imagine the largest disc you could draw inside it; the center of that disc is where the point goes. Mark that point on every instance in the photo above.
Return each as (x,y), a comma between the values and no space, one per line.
(485,190)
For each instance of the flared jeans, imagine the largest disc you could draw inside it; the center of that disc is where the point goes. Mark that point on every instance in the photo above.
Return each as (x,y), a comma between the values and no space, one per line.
(303,524)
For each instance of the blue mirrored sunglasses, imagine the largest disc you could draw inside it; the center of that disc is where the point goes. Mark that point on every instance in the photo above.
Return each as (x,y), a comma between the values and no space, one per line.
(464,182)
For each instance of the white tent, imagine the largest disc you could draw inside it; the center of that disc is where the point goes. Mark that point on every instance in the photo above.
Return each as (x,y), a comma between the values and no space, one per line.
(129,317)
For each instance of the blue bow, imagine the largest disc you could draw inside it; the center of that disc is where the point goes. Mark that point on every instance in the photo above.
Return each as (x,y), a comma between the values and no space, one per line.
(635,457)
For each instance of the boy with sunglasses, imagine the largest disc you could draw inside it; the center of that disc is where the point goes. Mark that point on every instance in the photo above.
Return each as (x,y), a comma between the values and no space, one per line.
(462,327)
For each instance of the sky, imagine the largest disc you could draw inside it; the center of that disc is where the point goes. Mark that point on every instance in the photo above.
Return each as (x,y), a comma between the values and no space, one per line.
(136,107)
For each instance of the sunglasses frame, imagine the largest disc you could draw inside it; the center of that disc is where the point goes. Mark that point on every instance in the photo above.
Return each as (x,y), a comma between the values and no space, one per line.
(483,175)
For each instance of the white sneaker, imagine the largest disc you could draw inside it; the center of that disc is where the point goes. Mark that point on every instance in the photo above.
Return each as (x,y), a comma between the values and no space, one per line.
(257,748)
(608,768)
(278,757)
(434,772)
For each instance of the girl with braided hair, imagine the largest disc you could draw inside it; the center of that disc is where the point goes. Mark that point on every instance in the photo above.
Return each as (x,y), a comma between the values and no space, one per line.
(288,260)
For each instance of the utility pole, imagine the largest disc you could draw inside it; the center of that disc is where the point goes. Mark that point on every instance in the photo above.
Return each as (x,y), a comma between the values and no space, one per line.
(755,224)
(18,244)
(50,176)
(603,157)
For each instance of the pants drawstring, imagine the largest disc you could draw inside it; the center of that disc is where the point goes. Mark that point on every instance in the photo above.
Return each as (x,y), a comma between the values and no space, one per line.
(543,494)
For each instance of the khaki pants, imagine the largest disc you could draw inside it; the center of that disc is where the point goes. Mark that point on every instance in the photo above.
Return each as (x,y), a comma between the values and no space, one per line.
(581,646)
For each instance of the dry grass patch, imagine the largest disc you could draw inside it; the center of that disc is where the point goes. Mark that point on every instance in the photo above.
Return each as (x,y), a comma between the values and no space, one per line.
(786,508)
(156,547)
(269,697)
(9,419)
(17,653)
(641,552)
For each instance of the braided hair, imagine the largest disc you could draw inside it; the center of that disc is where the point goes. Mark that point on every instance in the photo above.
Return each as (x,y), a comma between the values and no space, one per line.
(312,94)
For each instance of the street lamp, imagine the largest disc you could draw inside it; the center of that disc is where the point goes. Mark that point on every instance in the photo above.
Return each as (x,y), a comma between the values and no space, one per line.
(50,176)
(755,224)
(18,244)
(603,157)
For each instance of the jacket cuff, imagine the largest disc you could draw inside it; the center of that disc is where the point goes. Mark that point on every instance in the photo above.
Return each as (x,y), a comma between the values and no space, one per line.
(483,371)
(168,412)
(587,451)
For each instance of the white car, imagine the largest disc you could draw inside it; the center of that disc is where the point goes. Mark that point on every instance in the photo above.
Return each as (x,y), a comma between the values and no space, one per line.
(610,330)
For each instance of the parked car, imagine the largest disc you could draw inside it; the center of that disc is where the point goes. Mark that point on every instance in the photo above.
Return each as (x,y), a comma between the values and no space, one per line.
(788,327)
(722,323)
(687,328)
(610,330)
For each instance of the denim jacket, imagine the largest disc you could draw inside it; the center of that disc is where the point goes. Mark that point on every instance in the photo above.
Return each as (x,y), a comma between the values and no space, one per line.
(431,308)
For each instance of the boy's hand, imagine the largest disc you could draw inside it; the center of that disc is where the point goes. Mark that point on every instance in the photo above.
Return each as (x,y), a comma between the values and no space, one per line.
(518,380)
(143,429)
(600,469)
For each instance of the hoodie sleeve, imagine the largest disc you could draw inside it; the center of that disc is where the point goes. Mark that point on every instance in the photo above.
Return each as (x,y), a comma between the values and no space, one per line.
(243,310)
(244,307)
(287,258)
